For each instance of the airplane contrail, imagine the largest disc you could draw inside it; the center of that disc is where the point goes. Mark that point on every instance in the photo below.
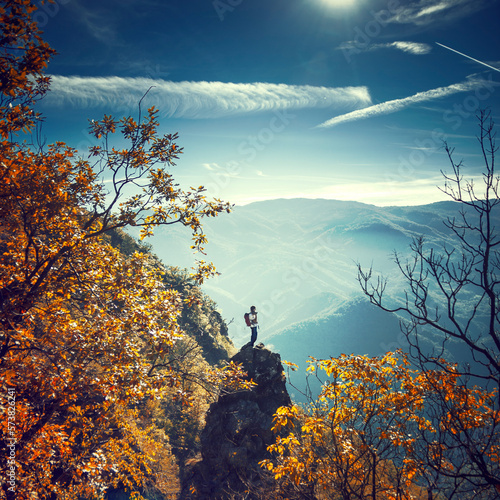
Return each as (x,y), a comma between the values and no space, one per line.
(469,57)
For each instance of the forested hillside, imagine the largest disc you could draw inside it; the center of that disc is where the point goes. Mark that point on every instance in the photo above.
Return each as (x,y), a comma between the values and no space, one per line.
(108,358)
(203,345)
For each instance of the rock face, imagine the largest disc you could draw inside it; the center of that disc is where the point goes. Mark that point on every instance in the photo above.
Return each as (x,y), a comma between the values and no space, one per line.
(238,431)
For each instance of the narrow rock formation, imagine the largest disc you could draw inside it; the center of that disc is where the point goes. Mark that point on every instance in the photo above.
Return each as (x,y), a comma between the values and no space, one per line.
(238,432)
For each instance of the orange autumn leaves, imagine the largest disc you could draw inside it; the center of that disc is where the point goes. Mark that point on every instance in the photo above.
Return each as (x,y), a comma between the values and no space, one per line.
(83,328)
(85,331)
(23,57)
(380,429)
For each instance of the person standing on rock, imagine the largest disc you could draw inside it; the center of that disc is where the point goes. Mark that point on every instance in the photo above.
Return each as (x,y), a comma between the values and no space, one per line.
(253,324)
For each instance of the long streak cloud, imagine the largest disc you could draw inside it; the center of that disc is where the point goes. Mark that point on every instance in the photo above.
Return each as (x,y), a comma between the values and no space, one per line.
(387,107)
(469,57)
(201,99)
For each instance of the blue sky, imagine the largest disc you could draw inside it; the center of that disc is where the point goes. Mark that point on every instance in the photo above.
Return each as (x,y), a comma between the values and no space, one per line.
(340,99)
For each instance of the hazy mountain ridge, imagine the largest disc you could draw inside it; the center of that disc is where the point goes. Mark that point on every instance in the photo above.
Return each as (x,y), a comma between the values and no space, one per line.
(296,261)
(300,248)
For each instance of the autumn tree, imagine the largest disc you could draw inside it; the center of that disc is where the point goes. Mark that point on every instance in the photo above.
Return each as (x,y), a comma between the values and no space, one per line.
(86,332)
(355,440)
(23,57)
(374,433)
(380,429)
(453,293)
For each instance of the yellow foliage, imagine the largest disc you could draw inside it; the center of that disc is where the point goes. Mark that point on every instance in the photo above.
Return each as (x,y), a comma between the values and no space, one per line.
(369,428)
(85,332)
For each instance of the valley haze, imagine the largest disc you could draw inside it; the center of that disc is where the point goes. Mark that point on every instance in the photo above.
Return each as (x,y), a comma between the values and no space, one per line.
(296,260)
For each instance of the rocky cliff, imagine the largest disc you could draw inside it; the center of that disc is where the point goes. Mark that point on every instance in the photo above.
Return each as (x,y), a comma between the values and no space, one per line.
(238,432)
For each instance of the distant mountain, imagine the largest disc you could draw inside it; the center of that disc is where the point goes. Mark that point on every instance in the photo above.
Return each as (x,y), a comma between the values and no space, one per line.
(355,326)
(296,261)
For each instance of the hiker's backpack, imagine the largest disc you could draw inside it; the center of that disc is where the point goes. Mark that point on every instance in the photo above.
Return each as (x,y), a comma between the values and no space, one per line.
(247,319)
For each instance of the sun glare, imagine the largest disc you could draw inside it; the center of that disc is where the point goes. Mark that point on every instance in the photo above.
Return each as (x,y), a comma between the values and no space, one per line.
(339,4)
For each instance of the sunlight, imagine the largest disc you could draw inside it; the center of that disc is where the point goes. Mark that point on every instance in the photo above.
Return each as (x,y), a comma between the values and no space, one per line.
(339,4)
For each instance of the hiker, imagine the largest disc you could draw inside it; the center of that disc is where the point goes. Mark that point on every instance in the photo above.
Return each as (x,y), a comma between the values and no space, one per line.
(251,320)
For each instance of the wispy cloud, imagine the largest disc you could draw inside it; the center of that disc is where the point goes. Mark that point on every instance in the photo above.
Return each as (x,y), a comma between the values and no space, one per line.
(409,47)
(212,167)
(412,47)
(381,192)
(218,171)
(200,99)
(100,25)
(394,105)
(425,12)
(374,191)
